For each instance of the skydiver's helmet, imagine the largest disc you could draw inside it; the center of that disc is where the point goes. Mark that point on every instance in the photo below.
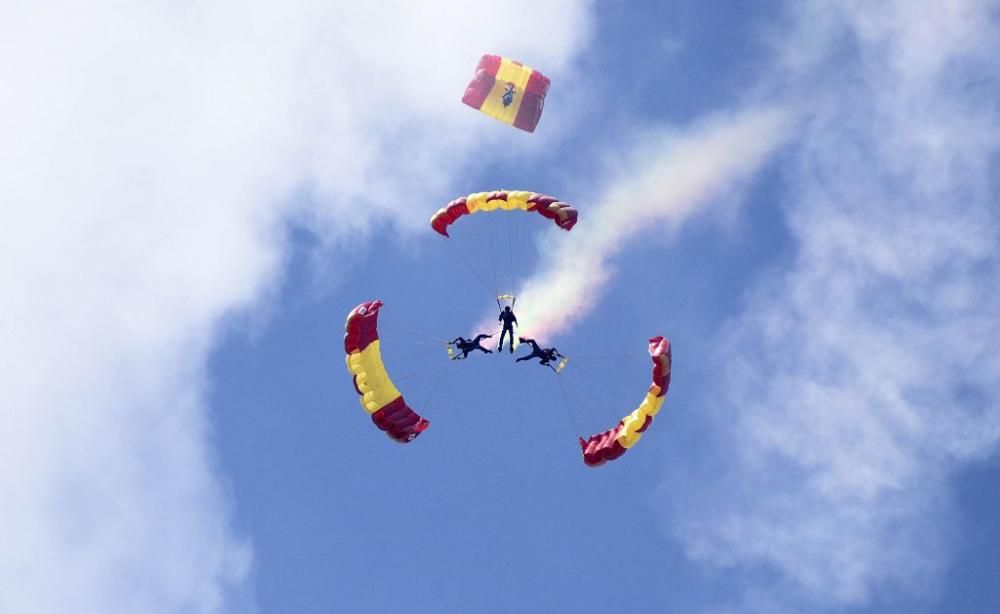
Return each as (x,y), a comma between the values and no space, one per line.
(507,308)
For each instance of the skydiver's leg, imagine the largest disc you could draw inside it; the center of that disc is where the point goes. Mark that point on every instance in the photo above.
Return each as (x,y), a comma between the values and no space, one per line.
(523,358)
(479,344)
(500,345)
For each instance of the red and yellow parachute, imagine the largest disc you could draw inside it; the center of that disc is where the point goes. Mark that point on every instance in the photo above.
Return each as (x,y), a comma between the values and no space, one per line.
(508,91)
(548,207)
(612,443)
(379,397)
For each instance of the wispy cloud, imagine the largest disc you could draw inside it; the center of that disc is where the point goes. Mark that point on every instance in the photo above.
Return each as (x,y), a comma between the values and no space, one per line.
(669,178)
(148,159)
(862,374)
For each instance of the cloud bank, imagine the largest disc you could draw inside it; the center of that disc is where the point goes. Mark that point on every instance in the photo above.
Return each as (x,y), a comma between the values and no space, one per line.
(151,158)
(862,375)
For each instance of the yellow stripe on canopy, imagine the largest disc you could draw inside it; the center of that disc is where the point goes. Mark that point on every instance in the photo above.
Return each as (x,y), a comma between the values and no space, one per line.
(630,435)
(377,390)
(509,72)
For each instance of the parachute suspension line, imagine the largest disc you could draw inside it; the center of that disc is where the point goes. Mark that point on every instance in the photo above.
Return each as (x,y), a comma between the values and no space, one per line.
(438,381)
(510,253)
(479,254)
(521,245)
(588,402)
(415,332)
(597,356)
(409,338)
(493,255)
(468,265)
(416,372)
(420,342)
(589,376)
(569,409)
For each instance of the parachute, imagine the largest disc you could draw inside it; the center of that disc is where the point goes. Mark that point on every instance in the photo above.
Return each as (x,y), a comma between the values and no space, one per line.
(379,397)
(508,91)
(613,442)
(559,212)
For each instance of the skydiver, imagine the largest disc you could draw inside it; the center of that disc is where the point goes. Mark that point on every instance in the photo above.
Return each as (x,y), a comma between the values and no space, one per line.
(544,355)
(509,320)
(468,345)
(508,94)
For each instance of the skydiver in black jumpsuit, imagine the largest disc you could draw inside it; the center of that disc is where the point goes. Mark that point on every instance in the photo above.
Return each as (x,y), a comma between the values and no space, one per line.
(545,355)
(509,320)
(468,345)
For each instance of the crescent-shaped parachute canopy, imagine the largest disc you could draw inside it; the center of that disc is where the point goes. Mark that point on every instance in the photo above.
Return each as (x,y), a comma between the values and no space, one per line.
(559,212)
(379,397)
(613,442)
(508,91)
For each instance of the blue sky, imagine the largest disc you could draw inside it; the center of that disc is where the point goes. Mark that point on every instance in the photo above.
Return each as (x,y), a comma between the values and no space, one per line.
(803,199)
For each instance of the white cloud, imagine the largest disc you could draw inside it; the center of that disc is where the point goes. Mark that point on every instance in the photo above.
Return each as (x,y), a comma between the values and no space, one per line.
(147,166)
(862,376)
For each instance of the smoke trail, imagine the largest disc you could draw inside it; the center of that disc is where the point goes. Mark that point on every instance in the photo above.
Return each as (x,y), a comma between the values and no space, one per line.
(668,181)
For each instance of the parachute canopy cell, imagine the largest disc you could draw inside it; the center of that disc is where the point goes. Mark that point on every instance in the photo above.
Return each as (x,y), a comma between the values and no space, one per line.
(378,396)
(508,91)
(613,442)
(548,207)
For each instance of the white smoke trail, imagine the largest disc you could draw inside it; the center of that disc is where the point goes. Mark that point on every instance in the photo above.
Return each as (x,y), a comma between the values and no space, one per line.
(667,182)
